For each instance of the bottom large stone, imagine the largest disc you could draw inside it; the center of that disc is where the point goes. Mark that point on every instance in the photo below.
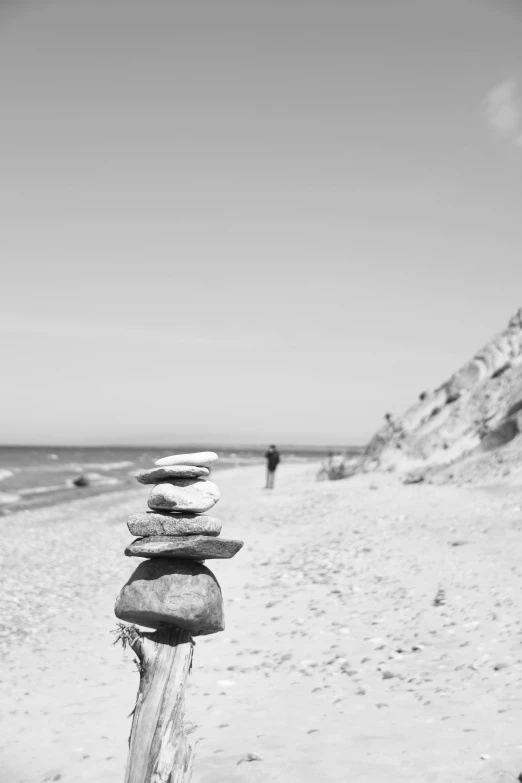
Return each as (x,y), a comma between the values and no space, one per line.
(176,592)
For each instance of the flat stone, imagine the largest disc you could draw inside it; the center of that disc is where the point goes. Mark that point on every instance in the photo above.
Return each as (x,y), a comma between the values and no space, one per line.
(201,459)
(191,547)
(193,495)
(155,475)
(154,524)
(177,592)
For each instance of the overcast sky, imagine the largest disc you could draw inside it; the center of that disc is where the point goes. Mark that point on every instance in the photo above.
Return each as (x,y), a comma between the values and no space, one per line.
(251,221)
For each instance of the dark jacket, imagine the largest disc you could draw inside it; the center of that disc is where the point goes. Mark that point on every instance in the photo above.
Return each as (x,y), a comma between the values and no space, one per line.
(272,459)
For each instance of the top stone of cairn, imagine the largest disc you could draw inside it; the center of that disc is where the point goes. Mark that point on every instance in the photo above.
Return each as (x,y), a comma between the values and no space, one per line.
(201,459)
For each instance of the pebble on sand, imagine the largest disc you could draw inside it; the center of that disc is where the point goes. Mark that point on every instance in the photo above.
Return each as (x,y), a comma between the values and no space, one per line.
(155,475)
(200,459)
(155,524)
(193,495)
(191,547)
(177,592)
(250,757)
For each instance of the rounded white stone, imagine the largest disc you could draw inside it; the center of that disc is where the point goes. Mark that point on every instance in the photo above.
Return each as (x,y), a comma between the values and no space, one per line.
(194,496)
(200,459)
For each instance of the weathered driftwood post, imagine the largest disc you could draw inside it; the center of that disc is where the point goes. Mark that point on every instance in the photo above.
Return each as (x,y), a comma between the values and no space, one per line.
(173,592)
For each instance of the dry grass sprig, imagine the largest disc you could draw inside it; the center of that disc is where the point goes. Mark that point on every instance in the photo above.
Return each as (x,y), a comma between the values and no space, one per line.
(126,634)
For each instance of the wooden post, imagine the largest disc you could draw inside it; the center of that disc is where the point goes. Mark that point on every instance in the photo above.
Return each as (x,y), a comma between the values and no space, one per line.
(159,747)
(170,589)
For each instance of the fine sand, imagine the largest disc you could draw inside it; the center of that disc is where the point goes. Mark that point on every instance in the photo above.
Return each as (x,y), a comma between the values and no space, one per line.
(374,633)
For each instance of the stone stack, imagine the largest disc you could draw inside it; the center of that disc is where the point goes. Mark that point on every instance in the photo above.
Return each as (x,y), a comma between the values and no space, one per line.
(172,586)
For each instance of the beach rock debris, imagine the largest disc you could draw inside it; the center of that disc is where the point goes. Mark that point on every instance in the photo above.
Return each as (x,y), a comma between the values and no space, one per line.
(414,478)
(172,586)
(440,597)
(249,757)
(81,481)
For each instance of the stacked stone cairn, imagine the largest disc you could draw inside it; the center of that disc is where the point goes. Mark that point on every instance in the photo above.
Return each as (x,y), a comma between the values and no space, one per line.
(172,586)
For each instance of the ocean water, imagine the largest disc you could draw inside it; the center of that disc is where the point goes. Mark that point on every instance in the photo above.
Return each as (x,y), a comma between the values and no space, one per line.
(31,477)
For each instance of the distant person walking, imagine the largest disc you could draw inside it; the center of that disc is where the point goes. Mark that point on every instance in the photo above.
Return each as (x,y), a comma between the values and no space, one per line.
(272,461)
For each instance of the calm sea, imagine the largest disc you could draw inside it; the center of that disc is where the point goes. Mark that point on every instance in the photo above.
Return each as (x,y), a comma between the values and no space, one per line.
(31,477)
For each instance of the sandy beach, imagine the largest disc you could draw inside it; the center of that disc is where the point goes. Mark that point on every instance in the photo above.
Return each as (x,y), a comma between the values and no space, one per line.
(373,634)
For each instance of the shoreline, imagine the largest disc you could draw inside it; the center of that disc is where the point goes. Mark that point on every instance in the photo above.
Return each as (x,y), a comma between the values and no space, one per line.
(47,496)
(65,493)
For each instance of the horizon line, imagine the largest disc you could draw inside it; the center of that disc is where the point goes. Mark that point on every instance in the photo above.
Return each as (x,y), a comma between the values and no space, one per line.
(198,446)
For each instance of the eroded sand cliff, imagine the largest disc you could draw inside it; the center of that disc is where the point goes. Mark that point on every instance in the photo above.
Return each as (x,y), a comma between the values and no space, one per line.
(467,421)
